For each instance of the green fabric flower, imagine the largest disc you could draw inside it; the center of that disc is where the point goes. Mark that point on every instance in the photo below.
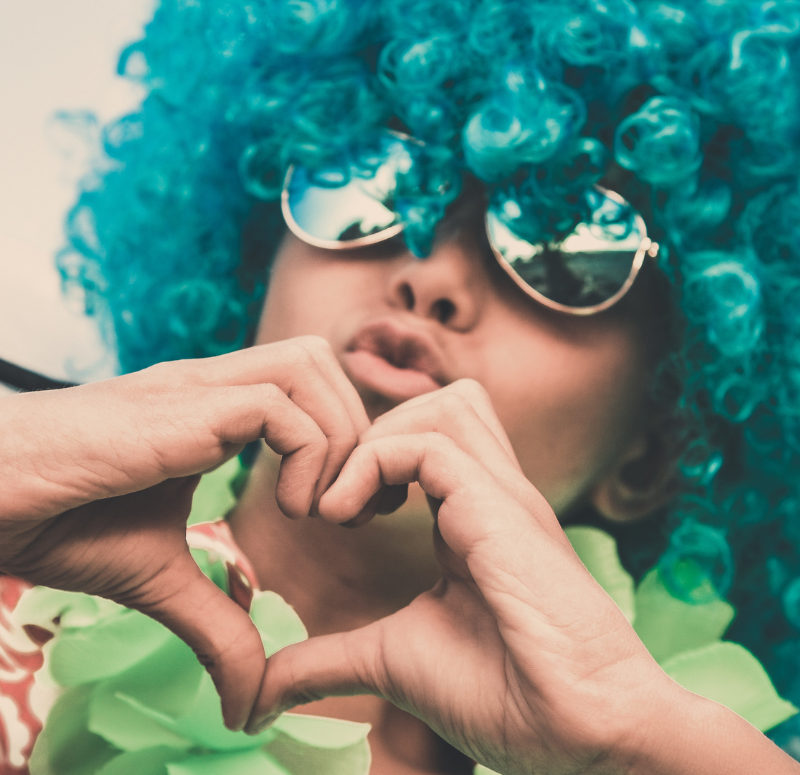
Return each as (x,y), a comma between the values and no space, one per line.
(137,702)
(214,496)
(685,639)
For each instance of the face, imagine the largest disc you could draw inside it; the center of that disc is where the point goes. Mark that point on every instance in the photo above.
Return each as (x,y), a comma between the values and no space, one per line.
(569,391)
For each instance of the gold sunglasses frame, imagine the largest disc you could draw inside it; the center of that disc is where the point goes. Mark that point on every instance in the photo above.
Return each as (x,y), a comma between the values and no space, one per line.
(646,248)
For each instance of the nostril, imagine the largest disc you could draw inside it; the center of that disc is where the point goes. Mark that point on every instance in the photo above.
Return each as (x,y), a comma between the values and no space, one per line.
(407,295)
(443,310)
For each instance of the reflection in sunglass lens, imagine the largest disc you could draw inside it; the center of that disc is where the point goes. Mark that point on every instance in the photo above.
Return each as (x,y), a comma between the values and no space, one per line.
(583,273)
(332,211)
(585,269)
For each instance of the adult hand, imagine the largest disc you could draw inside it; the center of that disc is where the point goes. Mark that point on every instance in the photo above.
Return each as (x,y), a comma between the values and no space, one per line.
(517,657)
(98,480)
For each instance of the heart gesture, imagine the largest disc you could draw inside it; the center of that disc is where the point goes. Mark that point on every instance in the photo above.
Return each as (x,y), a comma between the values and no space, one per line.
(97,484)
(517,657)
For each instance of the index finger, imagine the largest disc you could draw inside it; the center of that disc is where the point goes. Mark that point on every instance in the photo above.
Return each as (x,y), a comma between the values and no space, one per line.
(328,364)
(308,372)
(254,364)
(475,395)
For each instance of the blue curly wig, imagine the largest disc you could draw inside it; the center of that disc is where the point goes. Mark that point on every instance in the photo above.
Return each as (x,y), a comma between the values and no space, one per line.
(691,110)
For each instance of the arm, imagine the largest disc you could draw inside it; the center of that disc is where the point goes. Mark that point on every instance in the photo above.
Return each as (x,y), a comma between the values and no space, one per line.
(694,736)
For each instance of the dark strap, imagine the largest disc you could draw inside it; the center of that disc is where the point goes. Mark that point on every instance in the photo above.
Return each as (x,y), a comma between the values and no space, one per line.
(27,380)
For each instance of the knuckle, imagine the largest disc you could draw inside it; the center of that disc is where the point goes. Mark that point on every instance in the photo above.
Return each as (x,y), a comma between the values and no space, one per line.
(438,441)
(168,372)
(298,354)
(317,344)
(454,403)
(453,408)
(271,392)
(305,359)
(472,390)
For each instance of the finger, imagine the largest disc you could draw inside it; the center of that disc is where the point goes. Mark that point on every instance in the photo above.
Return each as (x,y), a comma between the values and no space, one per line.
(453,414)
(396,461)
(255,364)
(488,537)
(367,512)
(332,369)
(385,501)
(172,413)
(294,427)
(220,633)
(432,459)
(342,664)
(446,473)
(252,411)
(308,372)
(471,393)
(299,374)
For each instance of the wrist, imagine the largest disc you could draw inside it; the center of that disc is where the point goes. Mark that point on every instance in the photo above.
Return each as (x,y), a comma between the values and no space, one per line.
(682,733)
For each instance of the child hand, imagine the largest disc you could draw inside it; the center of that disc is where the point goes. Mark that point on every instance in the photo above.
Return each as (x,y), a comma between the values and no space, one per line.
(517,657)
(98,481)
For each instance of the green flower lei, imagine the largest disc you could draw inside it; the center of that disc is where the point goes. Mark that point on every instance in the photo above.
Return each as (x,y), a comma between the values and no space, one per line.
(135,701)
(685,638)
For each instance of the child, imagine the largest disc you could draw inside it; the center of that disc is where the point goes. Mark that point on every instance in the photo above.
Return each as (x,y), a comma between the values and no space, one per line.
(476,190)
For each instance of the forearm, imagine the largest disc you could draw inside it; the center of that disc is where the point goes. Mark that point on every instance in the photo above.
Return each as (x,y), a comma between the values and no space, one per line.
(694,736)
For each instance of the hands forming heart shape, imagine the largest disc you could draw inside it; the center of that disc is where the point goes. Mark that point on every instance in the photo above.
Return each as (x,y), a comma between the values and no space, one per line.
(517,657)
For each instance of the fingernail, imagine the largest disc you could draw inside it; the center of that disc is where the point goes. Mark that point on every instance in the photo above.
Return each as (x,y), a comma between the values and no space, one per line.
(236,726)
(257,727)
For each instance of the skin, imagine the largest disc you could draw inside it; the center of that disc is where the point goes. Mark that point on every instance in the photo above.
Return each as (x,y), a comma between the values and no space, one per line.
(573,387)
(571,394)
(568,392)
(496,638)
(98,483)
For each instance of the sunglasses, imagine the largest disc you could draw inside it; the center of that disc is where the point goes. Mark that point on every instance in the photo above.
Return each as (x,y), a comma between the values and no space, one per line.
(584,273)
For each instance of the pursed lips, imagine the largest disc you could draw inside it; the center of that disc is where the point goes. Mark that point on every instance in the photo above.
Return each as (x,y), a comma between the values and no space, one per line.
(394,361)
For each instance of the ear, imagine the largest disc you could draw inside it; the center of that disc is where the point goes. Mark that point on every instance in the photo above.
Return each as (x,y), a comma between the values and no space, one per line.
(641,481)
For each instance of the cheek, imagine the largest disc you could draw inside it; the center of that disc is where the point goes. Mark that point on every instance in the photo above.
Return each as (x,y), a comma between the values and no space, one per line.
(571,410)
(311,294)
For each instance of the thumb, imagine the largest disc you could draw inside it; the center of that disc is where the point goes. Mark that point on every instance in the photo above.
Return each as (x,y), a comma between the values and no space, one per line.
(338,665)
(216,628)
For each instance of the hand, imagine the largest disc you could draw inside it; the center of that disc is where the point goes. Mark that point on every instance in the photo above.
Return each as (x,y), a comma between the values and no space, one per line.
(517,657)
(98,483)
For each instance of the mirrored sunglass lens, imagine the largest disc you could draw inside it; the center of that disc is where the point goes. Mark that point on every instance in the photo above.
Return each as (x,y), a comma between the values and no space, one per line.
(588,267)
(336,207)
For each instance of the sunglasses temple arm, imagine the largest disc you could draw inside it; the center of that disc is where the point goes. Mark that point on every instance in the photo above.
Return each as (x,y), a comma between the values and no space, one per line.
(26,380)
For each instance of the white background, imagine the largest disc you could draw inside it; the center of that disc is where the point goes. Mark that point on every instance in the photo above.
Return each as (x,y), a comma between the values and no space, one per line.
(54,55)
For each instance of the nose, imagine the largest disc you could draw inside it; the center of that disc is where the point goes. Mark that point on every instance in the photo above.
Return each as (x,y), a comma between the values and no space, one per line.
(449,286)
